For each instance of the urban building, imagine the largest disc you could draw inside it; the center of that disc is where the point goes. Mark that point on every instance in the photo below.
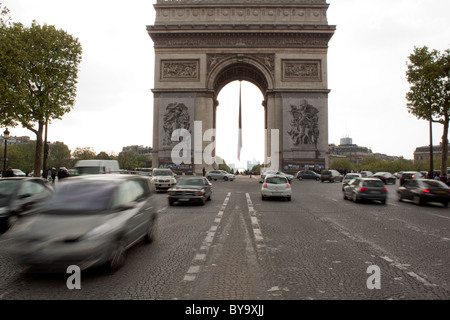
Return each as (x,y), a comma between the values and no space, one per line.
(423,153)
(15,140)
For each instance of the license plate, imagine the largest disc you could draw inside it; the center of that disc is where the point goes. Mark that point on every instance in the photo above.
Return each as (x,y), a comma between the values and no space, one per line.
(441,192)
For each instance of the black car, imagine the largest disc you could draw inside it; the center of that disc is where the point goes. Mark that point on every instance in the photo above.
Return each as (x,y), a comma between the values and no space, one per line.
(366,189)
(421,191)
(307,174)
(408,176)
(19,196)
(190,189)
(386,177)
(88,221)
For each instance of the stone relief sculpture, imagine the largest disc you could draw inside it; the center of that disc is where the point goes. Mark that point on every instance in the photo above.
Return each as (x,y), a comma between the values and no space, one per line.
(179,70)
(304,124)
(176,117)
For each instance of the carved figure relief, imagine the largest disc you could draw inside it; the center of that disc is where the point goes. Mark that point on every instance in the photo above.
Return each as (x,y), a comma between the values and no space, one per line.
(301,70)
(304,124)
(179,69)
(176,117)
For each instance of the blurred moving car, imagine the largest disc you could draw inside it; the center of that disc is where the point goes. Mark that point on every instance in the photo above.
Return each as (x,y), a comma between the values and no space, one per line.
(290,177)
(190,189)
(349,177)
(87,221)
(84,167)
(307,174)
(366,174)
(422,191)
(219,175)
(386,177)
(331,176)
(19,196)
(163,179)
(366,189)
(276,186)
(408,176)
(18,173)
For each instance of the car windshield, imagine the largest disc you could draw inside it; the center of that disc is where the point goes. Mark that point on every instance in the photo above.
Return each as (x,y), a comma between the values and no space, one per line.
(190,182)
(83,196)
(373,183)
(276,180)
(350,177)
(8,187)
(162,173)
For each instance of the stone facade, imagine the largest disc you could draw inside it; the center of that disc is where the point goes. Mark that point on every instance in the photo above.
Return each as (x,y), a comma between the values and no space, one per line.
(280,46)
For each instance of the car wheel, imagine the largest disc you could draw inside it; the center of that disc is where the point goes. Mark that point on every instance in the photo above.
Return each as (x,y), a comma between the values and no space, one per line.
(203,201)
(209,178)
(417,200)
(151,231)
(383,201)
(317,179)
(345,196)
(118,254)
(355,198)
(225,178)
(300,178)
(289,198)
(263,198)
(445,204)
(171,202)
(400,197)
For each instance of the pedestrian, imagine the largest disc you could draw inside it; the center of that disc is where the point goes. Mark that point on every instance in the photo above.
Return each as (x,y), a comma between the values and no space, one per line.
(444,178)
(204,171)
(9,173)
(53,175)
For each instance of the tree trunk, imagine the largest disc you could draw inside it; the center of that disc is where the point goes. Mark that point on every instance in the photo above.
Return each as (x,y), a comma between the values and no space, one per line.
(445,146)
(39,148)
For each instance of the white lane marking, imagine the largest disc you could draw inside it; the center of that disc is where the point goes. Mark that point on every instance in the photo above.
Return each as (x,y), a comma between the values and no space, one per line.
(259,239)
(200,257)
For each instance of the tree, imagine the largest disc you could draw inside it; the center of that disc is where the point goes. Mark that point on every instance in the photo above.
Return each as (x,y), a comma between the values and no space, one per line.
(342,163)
(39,69)
(87,153)
(429,95)
(128,160)
(59,155)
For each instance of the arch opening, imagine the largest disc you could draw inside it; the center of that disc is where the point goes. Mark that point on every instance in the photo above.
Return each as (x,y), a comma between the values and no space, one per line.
(253,125)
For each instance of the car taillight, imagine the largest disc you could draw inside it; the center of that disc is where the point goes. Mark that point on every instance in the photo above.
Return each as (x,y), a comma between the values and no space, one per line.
(265,185)
(363,189)
(425,191)
(384,189)
(288,185)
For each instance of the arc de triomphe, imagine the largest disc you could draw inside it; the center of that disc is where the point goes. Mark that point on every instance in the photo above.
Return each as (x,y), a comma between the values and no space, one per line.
(279,45)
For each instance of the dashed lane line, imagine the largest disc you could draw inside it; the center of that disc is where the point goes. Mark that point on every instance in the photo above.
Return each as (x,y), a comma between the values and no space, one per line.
(200,258)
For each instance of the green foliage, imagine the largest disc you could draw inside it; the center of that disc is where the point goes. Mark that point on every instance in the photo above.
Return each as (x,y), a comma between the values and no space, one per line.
(128,160)
(38,76)
(86,153)
(257,168)
(343,163)
(429,95)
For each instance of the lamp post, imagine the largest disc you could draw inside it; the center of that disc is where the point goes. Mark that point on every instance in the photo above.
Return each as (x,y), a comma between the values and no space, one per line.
(5,137)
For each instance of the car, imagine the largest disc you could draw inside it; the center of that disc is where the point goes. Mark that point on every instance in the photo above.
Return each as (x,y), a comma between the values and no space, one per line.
(386,177)
(349,177)
(366,189)
(307,174)
(276,186)
(290,177)
(409,175)
(331,176)
(163,179)
(19,196)
(88,221)
(422,191)
(190,189)
(18,173)
(219,175)
(366,174)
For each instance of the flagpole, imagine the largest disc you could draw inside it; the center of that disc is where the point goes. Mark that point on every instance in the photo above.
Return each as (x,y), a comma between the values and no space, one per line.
(240,123)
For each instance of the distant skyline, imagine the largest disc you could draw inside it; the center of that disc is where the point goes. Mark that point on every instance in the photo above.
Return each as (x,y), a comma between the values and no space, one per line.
(366,75)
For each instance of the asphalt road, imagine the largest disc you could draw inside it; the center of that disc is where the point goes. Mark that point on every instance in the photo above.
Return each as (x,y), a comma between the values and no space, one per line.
(237,247)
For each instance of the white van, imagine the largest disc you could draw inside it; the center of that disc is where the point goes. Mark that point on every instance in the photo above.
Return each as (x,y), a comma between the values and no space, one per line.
(97,166)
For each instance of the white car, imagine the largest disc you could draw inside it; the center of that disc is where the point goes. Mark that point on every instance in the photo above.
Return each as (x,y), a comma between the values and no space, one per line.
(163,179)
(276,186)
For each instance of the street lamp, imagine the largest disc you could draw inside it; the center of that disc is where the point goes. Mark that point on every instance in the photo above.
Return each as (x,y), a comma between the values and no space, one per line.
(5,137)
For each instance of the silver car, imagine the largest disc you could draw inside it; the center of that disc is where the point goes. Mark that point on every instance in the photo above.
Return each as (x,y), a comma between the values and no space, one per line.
(88,221)
(276,186)
(220,175)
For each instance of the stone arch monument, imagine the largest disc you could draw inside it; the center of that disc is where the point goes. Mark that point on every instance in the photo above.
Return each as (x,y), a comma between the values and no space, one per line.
(279,45)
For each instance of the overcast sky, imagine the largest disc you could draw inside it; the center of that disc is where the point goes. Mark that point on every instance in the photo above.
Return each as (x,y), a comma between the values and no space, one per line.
(366,74)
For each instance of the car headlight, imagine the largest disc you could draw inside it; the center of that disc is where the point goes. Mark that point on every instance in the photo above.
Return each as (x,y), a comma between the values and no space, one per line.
(98,232)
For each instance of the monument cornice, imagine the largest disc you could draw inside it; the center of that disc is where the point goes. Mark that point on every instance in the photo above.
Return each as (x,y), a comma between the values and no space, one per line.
(241,39)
